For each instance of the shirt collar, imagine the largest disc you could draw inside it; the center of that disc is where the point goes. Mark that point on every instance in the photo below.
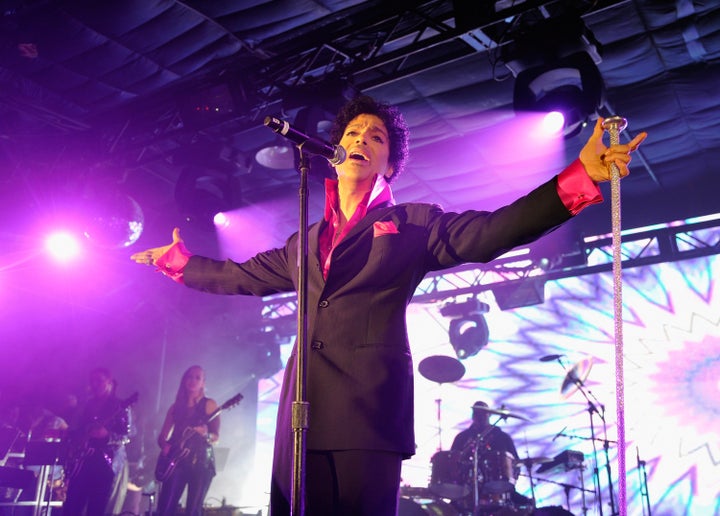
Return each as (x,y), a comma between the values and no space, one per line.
(380,193)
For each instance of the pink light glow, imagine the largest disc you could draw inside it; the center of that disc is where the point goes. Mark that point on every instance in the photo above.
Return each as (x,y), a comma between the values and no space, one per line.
(63,246)
(553,122)
(244,232)
(221,220)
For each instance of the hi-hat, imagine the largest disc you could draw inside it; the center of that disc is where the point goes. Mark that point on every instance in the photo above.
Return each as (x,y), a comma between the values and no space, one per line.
(441,369)
(575,377)
(500,412)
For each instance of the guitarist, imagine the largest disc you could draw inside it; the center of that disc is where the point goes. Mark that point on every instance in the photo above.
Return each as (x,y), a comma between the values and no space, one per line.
(186,438)
(98,466)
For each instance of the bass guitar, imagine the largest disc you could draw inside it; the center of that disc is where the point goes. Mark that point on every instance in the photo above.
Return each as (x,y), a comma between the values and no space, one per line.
(167,463)
(79,452)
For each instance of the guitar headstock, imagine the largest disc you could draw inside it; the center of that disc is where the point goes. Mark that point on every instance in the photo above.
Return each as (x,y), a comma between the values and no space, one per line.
(232,401)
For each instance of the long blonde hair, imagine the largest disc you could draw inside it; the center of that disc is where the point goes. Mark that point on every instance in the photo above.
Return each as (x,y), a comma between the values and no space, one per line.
(181,398)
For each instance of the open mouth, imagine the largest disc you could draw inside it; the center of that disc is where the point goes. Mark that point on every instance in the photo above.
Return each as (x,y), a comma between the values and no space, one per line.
(357,156)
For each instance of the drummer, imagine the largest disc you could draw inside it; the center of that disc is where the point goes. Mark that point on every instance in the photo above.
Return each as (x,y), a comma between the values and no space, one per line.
(498,461)
(491,437)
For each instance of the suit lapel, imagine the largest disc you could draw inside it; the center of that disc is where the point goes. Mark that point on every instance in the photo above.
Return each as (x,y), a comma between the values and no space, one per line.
(314,265)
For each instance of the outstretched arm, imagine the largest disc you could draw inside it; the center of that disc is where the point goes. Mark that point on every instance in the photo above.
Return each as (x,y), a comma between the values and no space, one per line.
(150,256)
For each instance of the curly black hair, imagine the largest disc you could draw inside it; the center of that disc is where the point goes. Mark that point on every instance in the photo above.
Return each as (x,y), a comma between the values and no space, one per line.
(394,121)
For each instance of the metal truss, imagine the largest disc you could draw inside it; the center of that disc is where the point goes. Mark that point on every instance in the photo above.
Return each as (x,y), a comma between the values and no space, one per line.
(638,248)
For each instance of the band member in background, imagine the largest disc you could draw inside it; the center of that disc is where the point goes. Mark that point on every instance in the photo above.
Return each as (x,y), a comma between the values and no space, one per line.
(492,450)
(366,258)
(480,431)
(186,441)
(98,462)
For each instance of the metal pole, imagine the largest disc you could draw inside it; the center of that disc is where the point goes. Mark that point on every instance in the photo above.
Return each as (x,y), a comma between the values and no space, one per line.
(614,125)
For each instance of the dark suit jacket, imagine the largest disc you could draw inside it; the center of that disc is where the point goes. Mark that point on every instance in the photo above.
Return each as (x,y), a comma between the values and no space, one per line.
(359,368)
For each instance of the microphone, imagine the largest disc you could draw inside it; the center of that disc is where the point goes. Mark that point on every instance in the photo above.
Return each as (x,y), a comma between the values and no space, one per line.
(335,154)
(559,433)
(548,358)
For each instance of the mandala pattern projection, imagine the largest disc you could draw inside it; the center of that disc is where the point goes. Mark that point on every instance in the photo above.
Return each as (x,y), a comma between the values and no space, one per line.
(671,342)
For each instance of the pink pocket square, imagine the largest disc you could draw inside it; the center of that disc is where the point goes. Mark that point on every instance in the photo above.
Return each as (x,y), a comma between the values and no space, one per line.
(384,227)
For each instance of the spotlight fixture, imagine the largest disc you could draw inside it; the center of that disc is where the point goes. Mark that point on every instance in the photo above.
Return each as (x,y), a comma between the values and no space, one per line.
(519,293)
(202,193)
(554,64)
(312,108)
(468,330)
(571,86)
(279,155)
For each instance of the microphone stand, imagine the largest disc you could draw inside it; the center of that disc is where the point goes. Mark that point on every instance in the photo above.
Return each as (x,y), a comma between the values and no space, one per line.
(301,407)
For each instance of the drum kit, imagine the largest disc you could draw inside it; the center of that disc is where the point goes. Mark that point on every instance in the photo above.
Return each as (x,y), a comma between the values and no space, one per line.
(476,480)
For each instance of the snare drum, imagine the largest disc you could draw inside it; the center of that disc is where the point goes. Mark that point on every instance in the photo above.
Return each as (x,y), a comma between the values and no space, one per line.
(450,475)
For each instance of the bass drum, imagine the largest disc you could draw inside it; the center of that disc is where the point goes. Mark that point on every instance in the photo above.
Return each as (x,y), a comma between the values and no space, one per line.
(424,507)
(450,475)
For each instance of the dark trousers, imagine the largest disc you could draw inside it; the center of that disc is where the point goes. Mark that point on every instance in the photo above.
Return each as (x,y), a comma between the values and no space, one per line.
(89,491)
(345,483)
(197,477)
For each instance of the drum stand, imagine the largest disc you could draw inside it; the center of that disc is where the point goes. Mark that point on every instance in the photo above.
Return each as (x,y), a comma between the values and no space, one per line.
(643,484)
(592,409)
(475,469)
(441,369)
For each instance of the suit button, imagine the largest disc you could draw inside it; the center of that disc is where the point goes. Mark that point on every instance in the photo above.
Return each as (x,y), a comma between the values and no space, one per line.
(324,303)
(317,344)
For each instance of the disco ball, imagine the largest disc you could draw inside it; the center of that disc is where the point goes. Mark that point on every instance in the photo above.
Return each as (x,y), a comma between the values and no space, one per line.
(116,220)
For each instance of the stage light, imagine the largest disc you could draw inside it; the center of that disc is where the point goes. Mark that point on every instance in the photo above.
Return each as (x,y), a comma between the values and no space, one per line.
(310,108)
(554,62)
(201,193)
(279,155)
(553,122)
(571,86)
(221,220)
(468,335)
(62,246)
(468,331)
(519,293)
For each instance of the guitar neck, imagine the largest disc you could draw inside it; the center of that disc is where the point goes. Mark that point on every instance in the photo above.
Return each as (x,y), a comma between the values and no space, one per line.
(188,432)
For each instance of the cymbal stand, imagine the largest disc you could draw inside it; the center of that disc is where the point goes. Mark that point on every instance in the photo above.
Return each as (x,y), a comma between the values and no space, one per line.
(581,475)
(475,471)
(532,484)
(643,484)
(568,488)
(438,402)
(592,409)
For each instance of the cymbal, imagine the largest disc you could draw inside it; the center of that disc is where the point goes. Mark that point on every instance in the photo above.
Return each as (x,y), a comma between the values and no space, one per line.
(500,412)
(441,369)
(576,376)
(529,462)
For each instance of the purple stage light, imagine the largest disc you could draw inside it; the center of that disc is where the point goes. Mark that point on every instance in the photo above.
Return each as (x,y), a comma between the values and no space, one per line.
(221,220)
(62,246)
(553,122)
